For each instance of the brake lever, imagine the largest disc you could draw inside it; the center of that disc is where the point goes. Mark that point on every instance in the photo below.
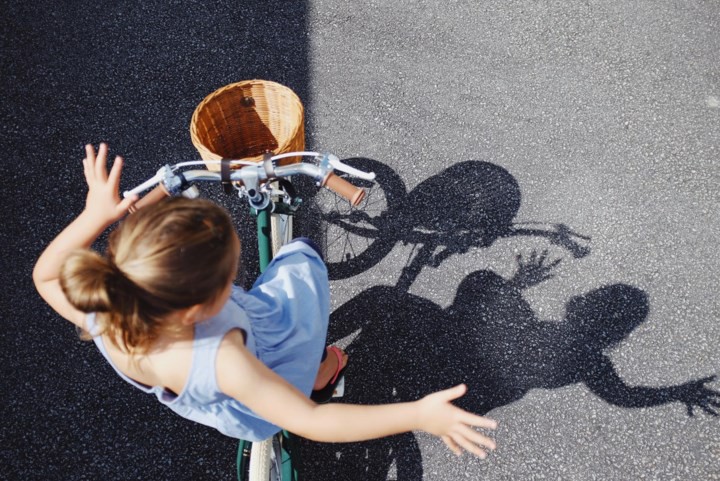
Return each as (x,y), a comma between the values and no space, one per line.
(337,164)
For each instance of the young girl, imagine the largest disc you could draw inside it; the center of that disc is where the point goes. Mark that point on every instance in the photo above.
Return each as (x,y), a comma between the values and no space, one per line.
(162,309)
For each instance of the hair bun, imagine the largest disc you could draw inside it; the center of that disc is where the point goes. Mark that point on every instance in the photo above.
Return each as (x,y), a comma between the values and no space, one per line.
(85,277)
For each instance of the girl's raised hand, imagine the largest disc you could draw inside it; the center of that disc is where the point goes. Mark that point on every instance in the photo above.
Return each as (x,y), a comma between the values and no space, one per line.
(103,200)
(453,425)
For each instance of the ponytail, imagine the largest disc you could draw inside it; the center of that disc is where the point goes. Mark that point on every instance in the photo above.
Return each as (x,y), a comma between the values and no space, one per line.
(92,283)
(84,278)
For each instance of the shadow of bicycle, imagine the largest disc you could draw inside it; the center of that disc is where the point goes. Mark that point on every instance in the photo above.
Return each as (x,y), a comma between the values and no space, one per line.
(470,204)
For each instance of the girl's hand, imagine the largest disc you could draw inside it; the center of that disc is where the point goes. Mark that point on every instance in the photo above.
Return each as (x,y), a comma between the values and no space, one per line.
(103,202)
(102,207)
(440,417)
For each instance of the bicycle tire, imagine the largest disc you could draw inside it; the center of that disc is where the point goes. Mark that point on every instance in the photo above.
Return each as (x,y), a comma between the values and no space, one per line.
(281,226)
(260,466)
(356,238)
(278,468)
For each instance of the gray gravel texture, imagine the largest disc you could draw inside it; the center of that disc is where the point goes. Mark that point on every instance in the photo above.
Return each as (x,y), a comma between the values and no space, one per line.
(586,129)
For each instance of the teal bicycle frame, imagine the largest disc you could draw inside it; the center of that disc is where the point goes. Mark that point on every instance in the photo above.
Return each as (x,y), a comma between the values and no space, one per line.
(289,455)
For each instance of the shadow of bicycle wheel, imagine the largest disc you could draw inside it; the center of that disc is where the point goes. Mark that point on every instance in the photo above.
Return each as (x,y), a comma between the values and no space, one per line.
(469,204)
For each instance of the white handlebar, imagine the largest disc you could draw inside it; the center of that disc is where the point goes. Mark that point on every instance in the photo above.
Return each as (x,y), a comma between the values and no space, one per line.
(166,171)
(151,182)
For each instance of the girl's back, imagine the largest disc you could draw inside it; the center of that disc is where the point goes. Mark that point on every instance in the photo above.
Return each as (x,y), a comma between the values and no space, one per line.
(166,364)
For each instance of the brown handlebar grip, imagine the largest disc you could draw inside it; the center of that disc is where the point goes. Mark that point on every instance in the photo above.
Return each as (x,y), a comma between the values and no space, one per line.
(342,187)
(155,195)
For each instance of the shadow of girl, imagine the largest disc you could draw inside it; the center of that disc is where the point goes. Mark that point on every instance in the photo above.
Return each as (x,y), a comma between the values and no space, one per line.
(515,351)
(490,339)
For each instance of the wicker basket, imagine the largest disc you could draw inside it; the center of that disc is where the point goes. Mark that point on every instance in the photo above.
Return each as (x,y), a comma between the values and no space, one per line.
(245,120)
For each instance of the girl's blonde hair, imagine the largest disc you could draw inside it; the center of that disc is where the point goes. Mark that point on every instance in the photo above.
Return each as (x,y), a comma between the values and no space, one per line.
(170,256)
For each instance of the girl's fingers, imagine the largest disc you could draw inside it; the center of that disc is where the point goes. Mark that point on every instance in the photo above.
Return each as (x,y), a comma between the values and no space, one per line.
(125,204)
(476,437)
(87,170)
(89,162)
(90,153)
(452,446)
(114,177)
(101,161)
(468,446)
(453,393)
(478,421)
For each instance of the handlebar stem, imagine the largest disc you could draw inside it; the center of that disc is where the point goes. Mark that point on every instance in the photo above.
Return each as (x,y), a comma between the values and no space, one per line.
(251,177)
(258,200)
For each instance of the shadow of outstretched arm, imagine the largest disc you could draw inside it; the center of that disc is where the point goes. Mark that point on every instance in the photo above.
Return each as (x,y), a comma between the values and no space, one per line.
(605,382)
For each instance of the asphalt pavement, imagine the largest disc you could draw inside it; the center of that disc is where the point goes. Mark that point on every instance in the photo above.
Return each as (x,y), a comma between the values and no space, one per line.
(546,230)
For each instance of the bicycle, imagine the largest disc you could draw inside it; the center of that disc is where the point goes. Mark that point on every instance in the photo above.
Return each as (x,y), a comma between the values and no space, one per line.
(272,198)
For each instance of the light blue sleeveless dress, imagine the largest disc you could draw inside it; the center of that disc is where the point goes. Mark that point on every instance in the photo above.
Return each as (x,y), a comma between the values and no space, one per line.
(285,319)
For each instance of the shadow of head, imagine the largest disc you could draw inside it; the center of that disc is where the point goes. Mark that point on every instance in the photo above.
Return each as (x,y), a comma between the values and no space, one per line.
(607,315)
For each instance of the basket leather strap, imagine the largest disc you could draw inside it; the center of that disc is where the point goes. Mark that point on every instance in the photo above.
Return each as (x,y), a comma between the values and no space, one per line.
(225,176)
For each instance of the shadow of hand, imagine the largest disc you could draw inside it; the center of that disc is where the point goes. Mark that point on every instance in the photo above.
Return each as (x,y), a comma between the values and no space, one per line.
(694,394)
(533,271)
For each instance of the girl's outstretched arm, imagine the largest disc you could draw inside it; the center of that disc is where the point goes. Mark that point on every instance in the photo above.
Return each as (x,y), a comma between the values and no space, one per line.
(245,378)
(102,208)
